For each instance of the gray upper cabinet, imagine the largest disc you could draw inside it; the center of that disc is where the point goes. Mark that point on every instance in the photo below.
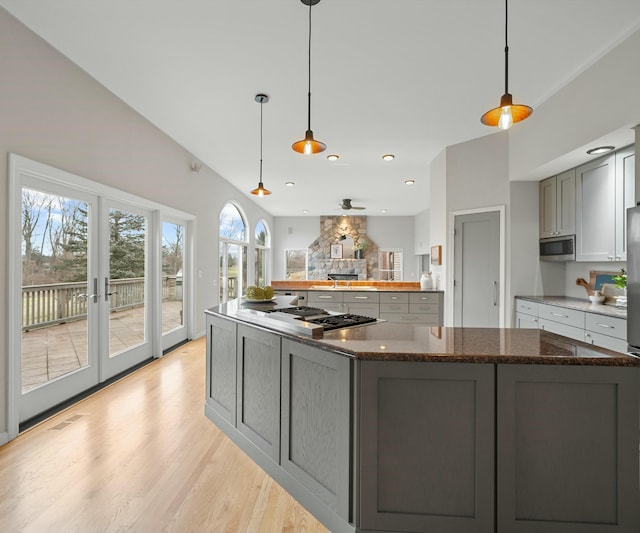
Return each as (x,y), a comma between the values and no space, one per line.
(558,205)
(625,196)
(605,189)
(595,210)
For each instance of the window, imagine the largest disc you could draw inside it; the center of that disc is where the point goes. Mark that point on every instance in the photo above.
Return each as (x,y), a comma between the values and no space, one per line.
(263,244)
(390,264)
(233,253)
(295,262)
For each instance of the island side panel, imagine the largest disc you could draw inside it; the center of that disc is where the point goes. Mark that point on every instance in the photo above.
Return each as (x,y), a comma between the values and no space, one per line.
(426,447)
(316,423)
(221,367)
(258,395)
(567,443)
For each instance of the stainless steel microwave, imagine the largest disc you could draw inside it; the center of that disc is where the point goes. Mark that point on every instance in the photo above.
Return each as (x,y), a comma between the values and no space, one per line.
(558,248)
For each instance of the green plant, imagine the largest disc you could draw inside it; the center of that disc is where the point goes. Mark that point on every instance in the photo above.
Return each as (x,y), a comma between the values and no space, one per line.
(620,279)
(361,244)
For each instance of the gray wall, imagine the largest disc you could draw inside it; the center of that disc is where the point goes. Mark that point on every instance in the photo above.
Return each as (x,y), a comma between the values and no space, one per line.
(55,113)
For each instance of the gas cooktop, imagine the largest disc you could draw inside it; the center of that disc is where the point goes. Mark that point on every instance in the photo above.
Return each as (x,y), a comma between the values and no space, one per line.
(341,321)
(300,311)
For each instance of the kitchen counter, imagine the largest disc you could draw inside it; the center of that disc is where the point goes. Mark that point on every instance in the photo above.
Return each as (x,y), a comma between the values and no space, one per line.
(378,286)
(579,304)
(410,428)
(399,427)
(386,341)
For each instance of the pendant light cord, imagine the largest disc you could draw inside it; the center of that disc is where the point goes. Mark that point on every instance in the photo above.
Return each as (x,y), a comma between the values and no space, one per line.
(261,102)
(506,47)
(309,62)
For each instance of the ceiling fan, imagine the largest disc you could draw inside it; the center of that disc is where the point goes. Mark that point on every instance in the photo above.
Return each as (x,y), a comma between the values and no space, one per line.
(346,205)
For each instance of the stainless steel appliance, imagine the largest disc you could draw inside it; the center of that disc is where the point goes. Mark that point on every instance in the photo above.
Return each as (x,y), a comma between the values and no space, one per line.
(558,248)
(302,320)
(633,279)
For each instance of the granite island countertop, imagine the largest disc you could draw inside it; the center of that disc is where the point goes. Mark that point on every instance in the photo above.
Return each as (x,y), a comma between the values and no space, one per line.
(580,304)
(387,341)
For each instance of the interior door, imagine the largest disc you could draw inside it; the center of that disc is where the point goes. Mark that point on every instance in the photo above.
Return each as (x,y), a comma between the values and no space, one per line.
(125,295)
(477,270)
(59,300)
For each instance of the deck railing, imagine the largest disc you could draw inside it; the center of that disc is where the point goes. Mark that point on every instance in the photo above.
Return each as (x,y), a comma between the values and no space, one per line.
(47,305)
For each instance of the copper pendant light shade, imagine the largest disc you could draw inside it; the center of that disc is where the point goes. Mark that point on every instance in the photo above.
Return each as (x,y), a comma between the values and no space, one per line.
(309,145)
(508,113)
(260,189)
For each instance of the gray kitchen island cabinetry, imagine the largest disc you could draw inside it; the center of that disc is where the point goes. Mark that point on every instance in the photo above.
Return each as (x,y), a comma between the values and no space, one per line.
(409,428)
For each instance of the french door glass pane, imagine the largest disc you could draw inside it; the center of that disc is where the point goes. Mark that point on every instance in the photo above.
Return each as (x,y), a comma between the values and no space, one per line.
(172,287)
(127,236)
(55,291)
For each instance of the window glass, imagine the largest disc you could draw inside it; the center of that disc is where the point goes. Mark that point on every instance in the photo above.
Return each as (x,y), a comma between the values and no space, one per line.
(295,264)
(262,254)
(233,253)
(390,264)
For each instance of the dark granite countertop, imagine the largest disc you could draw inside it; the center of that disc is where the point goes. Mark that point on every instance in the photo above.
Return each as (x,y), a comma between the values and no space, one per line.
(387,341)
(579,304)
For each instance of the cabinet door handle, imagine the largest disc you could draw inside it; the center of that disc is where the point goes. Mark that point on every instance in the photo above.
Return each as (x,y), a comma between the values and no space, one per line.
(495,293)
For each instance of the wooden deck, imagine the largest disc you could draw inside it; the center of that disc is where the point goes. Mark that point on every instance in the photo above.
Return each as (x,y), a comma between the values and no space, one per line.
(51,352)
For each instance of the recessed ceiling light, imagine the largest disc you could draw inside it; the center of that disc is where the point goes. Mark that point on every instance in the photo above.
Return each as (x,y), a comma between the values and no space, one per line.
(383,210)
(289,183)
(305,211)
(388,157)
(409,182)
(333,157)
(600,150)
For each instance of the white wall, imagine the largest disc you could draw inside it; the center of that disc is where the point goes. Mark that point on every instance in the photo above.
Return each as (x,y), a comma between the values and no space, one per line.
(396,232)
(55,113)
(601,100)
(291,233)
(385,232)
(421,233)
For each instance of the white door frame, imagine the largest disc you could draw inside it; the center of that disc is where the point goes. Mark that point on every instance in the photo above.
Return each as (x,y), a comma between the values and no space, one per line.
(21,165)
(449,312)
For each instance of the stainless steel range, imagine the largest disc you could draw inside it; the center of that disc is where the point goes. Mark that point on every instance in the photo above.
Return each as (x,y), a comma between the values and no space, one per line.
(303,320)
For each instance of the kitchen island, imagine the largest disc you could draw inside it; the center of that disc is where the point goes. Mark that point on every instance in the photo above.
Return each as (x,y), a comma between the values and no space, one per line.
(401,427)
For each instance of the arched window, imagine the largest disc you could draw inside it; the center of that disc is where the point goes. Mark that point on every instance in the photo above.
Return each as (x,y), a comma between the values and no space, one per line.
(263,254)
(233,253)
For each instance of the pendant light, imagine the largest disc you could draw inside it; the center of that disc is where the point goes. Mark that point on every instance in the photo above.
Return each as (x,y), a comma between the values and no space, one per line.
(507,113)
(260,190)
(309,145)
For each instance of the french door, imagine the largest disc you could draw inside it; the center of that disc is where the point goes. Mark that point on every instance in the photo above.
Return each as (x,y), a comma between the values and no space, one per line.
(87,288)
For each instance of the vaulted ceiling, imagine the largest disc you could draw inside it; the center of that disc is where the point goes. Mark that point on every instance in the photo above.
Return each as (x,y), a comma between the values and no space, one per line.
(407,77)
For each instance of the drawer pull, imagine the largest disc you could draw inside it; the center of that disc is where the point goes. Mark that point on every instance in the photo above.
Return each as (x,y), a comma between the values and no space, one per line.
(560,315)
(424,298)
(360,297)
(394,297)
(605,326)
(326,297)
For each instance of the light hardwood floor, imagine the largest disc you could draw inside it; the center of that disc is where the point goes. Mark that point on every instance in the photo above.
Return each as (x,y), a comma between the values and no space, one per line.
(140,456)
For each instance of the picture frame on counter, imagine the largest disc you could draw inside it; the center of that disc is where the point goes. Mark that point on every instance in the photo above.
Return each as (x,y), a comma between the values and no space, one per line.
(336,251)
(436,255)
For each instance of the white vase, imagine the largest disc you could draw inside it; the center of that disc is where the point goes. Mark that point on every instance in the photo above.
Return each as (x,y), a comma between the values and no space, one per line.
(426,281)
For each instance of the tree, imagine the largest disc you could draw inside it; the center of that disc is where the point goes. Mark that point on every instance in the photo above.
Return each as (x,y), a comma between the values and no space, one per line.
(127,244)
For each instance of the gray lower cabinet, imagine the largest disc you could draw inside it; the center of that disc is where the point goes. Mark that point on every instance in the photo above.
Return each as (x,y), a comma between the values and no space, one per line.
(426,447)
(567,449)
(221,367)
(258,392)
(316,423)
